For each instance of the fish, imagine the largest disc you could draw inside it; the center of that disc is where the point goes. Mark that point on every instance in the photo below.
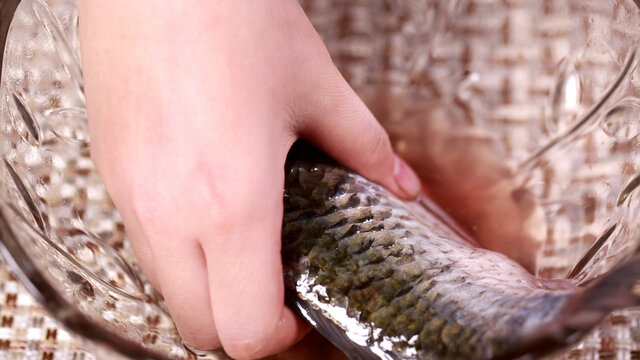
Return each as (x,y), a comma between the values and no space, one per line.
(383,278)
(467,170)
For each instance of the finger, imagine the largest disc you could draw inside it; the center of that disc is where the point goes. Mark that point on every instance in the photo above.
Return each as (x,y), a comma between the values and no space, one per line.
(248,297)
(336,120)
(245,267)
(141,247)
(121,199)
(179,264)
(133,230)
(182,273)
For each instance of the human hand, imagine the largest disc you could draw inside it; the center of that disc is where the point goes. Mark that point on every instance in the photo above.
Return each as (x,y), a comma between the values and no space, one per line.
(192,107)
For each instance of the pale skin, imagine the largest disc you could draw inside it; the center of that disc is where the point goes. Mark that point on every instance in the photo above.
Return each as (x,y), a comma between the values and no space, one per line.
(192,108)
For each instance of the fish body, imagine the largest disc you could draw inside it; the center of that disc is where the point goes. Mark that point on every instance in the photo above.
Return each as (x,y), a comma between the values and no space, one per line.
(387,279)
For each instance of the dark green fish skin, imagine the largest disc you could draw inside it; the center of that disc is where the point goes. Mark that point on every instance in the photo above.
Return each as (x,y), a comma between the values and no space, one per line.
(385,279)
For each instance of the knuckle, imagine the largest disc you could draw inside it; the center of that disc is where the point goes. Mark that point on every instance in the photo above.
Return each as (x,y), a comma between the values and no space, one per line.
(379,146)
(140,204)
(149,206)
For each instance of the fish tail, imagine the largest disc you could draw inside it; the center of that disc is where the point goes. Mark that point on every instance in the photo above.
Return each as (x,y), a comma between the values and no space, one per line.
(585,309)
(614,291)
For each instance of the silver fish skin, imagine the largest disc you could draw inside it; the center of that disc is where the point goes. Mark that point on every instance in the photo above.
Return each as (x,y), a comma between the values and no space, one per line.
(386,279)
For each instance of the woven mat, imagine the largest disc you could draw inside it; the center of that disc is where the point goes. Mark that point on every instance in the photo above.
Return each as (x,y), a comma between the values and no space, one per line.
(27,331)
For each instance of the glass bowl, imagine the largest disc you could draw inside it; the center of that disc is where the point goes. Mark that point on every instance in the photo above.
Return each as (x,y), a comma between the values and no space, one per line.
(521,110)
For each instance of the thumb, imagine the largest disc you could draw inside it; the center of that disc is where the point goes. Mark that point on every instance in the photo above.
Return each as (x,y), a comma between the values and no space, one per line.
(336,121)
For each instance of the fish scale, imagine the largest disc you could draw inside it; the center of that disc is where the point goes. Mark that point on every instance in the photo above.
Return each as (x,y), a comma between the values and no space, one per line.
(386,279)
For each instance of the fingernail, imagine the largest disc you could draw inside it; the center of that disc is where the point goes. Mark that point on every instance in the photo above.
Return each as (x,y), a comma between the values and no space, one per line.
(406,178)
